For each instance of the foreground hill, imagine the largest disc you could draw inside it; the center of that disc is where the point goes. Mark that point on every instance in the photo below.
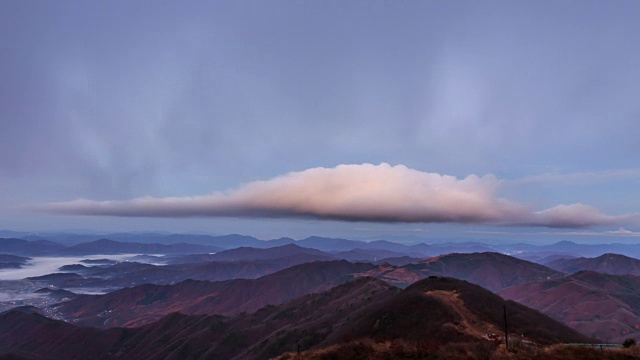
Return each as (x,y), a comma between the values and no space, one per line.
(608,264)
(387,350)
(599,305)
(146,303)
(438,310)
(490,270)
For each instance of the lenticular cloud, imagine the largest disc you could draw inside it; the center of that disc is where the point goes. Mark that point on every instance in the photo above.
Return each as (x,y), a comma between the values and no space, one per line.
(376,193)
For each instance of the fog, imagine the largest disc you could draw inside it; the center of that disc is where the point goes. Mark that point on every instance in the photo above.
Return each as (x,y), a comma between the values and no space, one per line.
(39,266)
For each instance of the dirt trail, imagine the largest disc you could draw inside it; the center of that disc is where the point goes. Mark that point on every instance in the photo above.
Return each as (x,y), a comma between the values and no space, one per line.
(470,323)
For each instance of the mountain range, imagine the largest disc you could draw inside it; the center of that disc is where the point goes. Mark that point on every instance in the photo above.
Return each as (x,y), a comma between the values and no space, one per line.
(439,309)
(265,300)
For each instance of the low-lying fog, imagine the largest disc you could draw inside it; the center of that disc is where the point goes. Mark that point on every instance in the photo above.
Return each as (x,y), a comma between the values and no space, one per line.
(39,266)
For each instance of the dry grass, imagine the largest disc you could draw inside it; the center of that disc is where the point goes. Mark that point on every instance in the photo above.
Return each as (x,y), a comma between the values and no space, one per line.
(395,349)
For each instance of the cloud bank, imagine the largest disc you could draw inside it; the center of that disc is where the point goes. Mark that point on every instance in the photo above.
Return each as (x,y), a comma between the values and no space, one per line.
(366,192)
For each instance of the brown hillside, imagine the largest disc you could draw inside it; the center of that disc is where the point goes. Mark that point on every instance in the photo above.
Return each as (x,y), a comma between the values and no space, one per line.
(599,305)
(615,264)
(145,303)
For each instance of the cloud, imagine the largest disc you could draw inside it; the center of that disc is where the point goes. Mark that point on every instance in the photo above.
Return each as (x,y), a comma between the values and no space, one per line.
(572,216)
(580,178)
(366,192)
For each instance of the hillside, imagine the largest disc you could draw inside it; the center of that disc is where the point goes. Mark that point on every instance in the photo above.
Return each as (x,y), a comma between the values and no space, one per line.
(442,310)
(608,264)
(145,303)
(490,270)
(599,305)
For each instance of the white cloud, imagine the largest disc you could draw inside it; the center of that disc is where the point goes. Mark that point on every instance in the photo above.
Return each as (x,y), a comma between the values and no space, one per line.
(366,192)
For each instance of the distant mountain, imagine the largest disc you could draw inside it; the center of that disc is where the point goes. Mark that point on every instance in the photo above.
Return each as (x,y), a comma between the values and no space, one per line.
(223,242)
(599,305)
(449,248)
(607,264)
(118,276)
(273,243)
(145,303)
(419,246)
(546,260)
(570,248)
(329,244)
(250,254)
(130,273)
(12,234)
(62,280)
(106,246)
(29,248)
(74,268)
(370,255)
(388,246)
(99,261)
(12,261)
(344,245)
(6,258)
(441,310)
(58,294)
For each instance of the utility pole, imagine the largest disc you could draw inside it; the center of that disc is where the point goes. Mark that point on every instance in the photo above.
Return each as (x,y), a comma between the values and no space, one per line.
(506,327)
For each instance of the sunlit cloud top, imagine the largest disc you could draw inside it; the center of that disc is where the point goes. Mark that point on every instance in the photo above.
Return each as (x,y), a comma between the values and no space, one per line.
(372,193)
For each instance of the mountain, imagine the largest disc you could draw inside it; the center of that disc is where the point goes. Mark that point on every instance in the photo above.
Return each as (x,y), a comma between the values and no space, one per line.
(371,255)
(130,273)
(6,258)
(388,246)
(490,270)
(209,271)
(607,264)
(599,305)
(58,294)
(145,303)
(449,248)
(106,246)
(251,253)
(440,311)
(329,244)
(569,248)
(12,261)
(223,242)
(546,260)
(273,243)
(28,248)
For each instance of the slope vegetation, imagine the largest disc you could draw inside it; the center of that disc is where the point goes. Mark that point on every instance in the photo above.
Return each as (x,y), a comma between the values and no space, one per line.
(145,303)
(490,270)
(599,305)
(433,311)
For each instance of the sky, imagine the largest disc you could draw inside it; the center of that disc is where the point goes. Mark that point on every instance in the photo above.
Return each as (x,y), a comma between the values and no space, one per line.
(364,119)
